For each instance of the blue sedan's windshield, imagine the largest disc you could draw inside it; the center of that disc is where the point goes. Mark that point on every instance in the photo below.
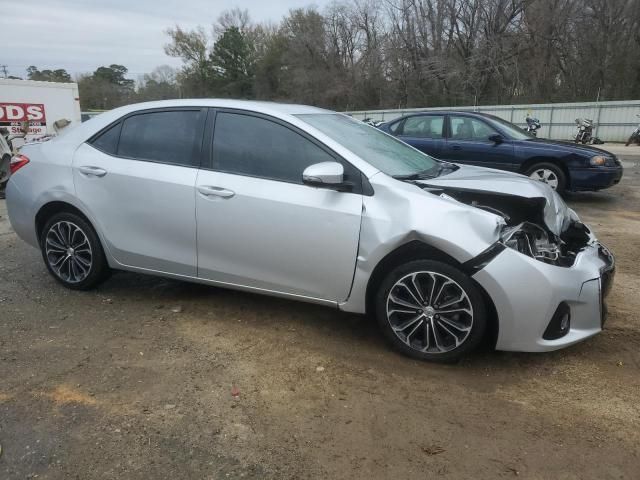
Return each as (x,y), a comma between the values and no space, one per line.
(382,151)
(512,131)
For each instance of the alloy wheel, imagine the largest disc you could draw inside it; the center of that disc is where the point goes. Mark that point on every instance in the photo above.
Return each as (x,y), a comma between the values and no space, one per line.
(429,312)
(68,252)
(547,176)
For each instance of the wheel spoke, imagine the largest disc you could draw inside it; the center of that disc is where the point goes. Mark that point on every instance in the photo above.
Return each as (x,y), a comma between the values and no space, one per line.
(59,261)
(403,326)
(425,336)
(59,237)
(455,310)
(453,324)
(455,337)
(453,301)
(413,330)
(436,339)
(83,267)
(444,284)
(411,292)
(415,283)
(82,261)
(55,244)
(60,264)
(404,303)
(76,232)
(433,288)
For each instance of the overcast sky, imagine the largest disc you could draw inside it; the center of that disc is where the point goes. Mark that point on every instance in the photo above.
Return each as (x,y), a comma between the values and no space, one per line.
(81,35)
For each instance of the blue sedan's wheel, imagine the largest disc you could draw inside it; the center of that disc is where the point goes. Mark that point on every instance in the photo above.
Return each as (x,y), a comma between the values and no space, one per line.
(548,173)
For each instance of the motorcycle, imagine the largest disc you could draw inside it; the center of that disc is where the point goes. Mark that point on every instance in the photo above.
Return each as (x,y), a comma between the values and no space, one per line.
(373,123)
(533,125)
(585,132)
(635,136)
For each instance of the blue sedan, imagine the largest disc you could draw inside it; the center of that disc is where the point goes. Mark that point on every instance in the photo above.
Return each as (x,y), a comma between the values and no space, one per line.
(488,141)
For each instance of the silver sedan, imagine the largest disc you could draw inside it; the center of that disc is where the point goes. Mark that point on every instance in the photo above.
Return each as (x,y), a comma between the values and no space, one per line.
(312,205)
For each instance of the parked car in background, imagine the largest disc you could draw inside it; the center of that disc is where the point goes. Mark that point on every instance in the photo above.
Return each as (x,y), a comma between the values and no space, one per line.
(312,205)
(488,141)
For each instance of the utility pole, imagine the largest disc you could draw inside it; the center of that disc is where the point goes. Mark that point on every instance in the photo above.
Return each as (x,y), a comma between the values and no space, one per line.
(5,72)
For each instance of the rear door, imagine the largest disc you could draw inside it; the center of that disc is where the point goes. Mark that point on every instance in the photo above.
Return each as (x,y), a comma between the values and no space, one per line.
(468,142)
(137,180)
(424,132)
(260,226)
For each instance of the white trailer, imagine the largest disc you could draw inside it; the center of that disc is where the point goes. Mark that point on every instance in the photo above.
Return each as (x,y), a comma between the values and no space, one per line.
(43,107)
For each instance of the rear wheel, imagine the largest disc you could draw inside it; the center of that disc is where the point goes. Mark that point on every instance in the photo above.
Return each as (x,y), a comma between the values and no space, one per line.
(550,174)
(431,311)
(72,252)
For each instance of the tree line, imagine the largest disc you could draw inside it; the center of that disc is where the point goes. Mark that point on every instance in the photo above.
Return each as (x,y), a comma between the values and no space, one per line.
(365,54)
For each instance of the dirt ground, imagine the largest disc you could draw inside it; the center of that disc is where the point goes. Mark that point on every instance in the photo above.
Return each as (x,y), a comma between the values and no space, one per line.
(135,381)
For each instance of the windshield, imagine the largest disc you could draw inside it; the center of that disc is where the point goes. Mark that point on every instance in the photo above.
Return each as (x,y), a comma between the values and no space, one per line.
(382,151)
(513,131)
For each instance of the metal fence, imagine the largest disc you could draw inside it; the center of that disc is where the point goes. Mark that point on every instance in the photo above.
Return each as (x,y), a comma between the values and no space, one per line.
(614,121)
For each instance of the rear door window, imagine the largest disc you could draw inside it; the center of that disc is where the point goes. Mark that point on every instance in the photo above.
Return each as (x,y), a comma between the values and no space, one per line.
(426,126)
(172,136)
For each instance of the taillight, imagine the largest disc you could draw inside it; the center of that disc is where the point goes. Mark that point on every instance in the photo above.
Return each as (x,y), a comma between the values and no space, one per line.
(17,162)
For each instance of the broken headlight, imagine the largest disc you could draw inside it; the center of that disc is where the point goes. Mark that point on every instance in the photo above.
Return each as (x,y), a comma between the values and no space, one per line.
(531,240)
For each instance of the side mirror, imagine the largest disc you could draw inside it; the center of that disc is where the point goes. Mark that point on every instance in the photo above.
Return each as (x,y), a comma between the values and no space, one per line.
(325,175)
(496,138)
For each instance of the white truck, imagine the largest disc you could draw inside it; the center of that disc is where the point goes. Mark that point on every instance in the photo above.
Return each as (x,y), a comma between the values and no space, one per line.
(32,110)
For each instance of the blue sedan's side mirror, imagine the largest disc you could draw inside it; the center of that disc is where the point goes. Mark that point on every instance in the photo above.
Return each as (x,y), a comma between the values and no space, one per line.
(496,138)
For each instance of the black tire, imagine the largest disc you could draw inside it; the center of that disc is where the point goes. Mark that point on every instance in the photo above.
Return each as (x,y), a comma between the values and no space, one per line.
(560,175)
(95,273)
(425,342)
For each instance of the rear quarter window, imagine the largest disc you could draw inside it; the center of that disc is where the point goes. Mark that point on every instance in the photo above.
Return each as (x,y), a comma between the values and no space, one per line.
(107,141)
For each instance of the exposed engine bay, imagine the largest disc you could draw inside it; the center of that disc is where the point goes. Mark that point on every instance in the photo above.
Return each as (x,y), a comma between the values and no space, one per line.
(527,227)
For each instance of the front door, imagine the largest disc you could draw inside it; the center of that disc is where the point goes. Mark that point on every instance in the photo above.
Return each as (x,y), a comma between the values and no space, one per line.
(260,226)
(468,142)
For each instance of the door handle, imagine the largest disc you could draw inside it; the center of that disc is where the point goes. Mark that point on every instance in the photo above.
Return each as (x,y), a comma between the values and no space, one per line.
(92,171)
(456,147)
(211,191)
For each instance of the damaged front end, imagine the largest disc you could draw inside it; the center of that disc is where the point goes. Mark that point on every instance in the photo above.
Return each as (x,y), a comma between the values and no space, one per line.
(543,228)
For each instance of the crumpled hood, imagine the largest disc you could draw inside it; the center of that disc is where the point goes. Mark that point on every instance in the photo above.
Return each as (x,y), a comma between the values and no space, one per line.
(557,215)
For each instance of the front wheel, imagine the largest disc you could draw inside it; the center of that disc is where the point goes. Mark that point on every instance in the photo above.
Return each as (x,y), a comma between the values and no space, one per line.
(72,252)
(431,311)
(550,174)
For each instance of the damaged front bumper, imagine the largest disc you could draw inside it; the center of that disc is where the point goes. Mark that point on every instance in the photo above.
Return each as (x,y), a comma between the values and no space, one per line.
(528,293)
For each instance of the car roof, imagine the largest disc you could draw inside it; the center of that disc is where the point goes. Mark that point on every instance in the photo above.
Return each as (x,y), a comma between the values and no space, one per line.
(285,111)
(271,108)
(443,111)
